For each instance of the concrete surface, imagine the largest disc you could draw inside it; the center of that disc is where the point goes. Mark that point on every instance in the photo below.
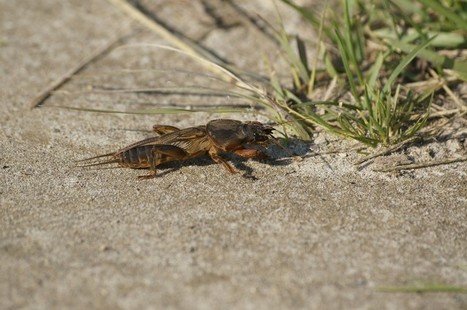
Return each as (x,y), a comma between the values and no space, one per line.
(310,234)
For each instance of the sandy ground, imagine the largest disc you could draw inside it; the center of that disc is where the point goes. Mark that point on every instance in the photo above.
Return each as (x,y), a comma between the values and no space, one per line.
(315,234)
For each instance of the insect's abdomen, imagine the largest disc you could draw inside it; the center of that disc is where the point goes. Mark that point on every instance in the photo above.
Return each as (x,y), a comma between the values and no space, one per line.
(137,157)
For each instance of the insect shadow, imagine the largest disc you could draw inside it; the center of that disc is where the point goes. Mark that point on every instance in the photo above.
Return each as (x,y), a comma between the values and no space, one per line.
(276,156)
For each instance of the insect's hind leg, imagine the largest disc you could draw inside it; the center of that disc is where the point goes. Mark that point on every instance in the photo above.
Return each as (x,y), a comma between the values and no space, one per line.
(162,153)
(152,169)
(164,129)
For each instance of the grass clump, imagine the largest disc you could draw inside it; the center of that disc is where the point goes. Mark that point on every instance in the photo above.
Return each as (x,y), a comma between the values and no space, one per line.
(374,50)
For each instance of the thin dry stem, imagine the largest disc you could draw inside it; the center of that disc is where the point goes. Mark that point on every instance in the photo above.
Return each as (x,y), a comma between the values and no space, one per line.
(55,85)
(189,48)
(423,164)
(386,151)
(458,101)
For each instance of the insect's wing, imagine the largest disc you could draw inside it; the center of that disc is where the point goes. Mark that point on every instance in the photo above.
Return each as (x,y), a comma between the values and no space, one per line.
(193,140)
(186,139)
(148,141)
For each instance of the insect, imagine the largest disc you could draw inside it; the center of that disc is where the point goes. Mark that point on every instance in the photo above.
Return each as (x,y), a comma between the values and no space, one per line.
(216,137)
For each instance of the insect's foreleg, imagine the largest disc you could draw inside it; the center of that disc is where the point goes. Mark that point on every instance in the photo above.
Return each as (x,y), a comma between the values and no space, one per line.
(250,153)
(218,159)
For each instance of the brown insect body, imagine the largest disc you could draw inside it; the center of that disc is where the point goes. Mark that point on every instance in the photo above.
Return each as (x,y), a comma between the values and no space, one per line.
(218,136)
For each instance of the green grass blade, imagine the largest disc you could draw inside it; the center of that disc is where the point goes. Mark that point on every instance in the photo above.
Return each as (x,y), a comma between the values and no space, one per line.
(374,71)
(428,288)
(346,62)
(403,63)
(216,109)
(460,67)
(437,7)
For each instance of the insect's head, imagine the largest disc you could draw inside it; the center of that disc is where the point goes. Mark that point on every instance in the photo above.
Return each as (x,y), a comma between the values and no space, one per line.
(257,132)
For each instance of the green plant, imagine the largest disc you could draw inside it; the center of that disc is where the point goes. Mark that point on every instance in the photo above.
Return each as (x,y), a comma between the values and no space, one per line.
(372,113)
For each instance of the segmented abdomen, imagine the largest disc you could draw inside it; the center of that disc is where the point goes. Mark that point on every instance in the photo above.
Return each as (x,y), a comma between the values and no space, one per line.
(137,157)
